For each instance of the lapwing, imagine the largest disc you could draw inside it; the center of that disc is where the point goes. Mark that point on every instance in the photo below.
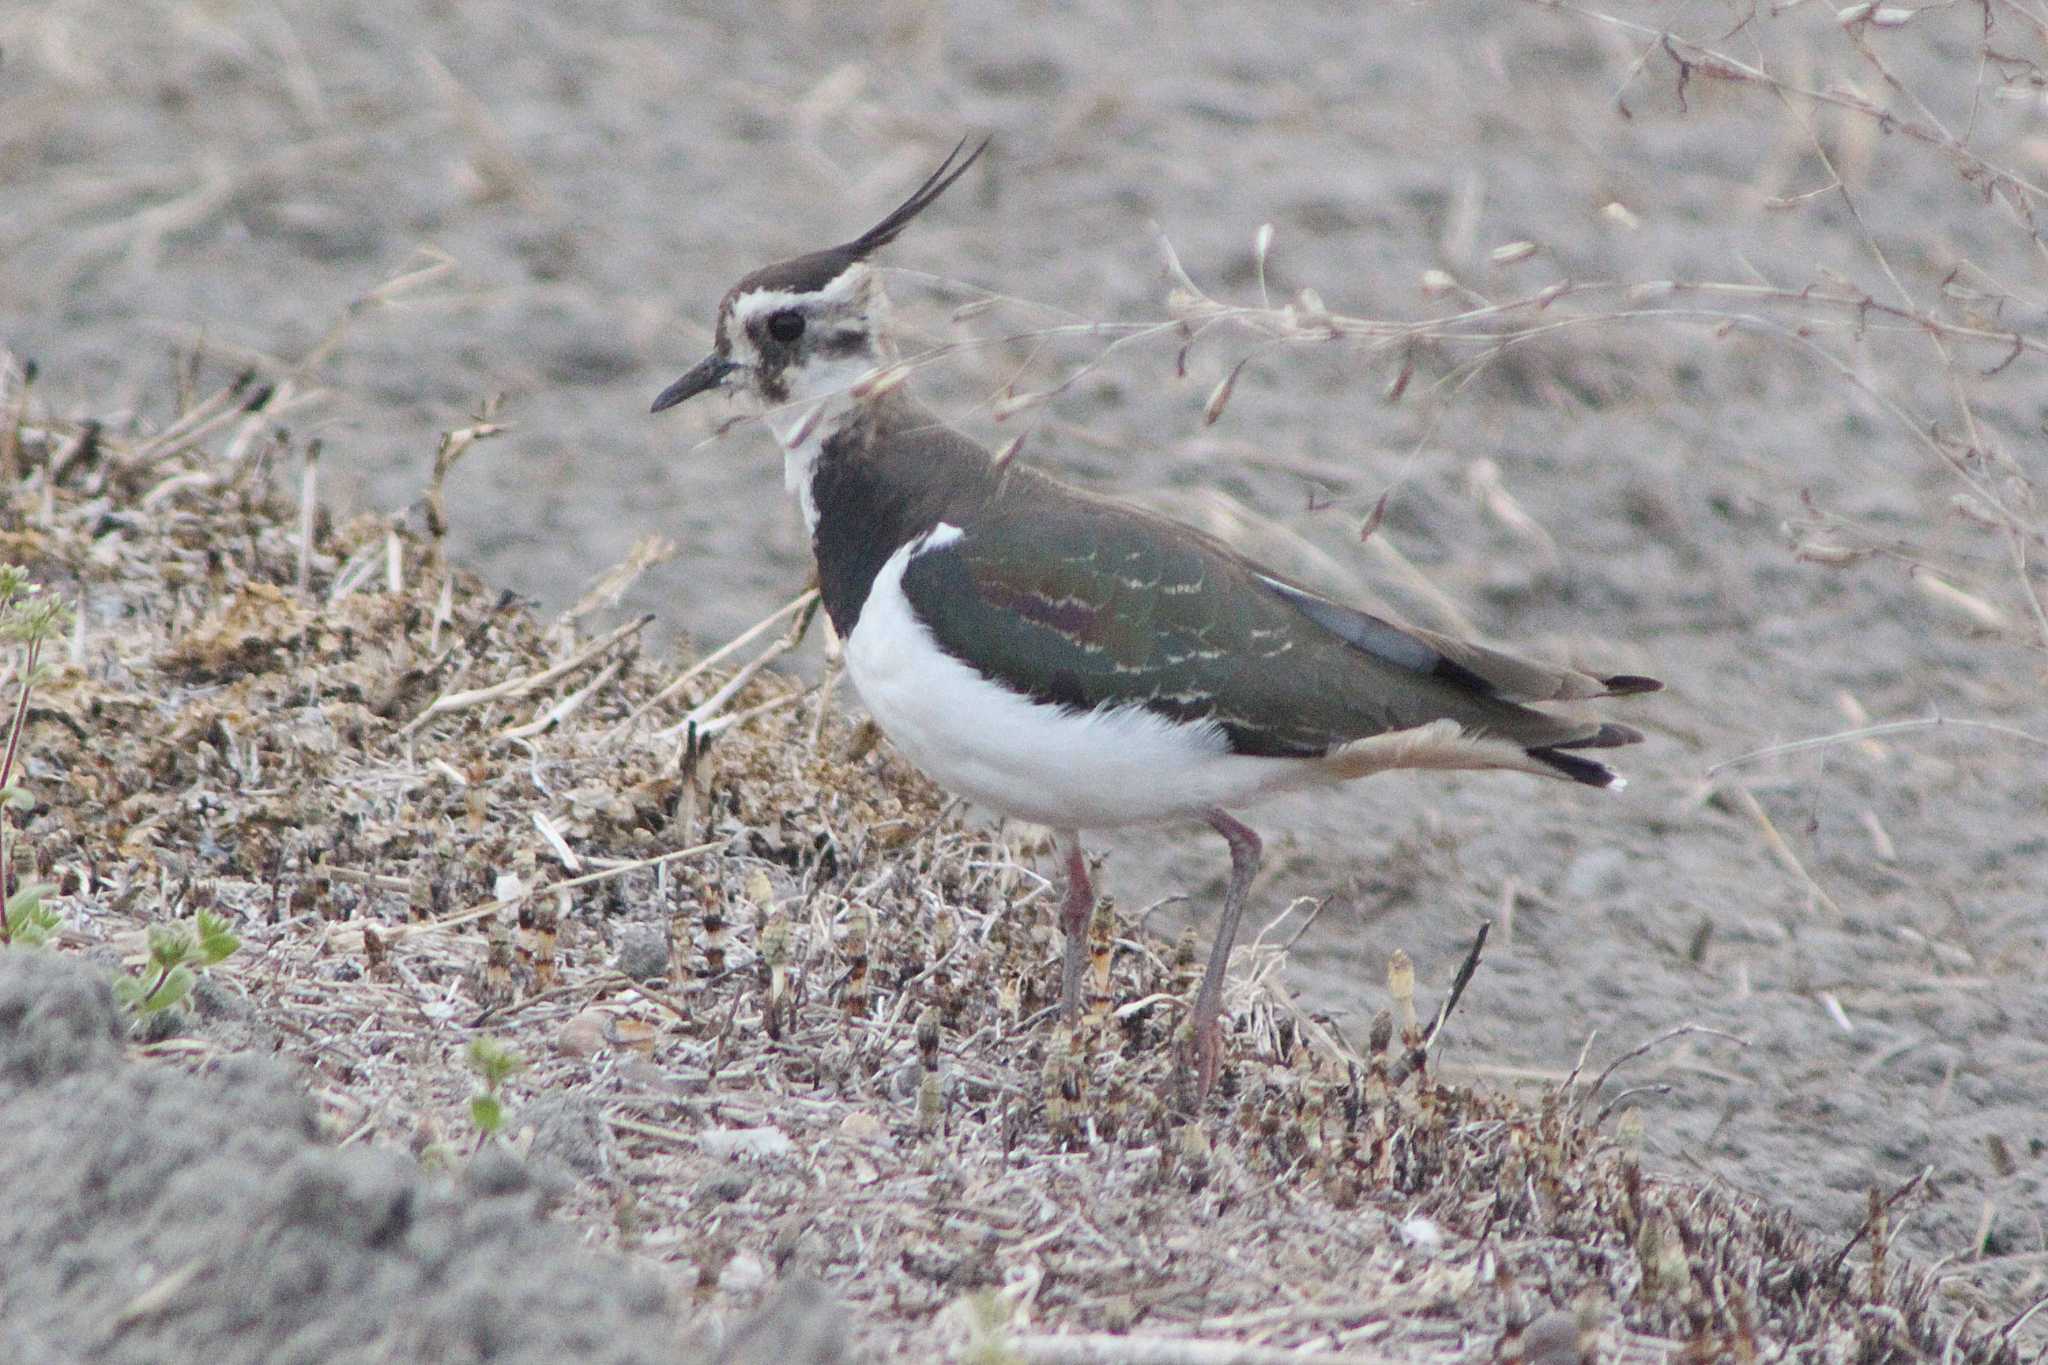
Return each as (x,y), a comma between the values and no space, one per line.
(1076,661)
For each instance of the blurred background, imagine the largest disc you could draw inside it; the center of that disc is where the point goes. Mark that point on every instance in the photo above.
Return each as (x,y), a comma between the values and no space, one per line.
(1805,515)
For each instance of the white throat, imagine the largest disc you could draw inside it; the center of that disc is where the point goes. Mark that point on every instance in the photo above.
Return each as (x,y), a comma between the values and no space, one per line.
(801,428)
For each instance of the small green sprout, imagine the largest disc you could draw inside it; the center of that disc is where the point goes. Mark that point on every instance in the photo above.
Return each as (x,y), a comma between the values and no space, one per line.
(176,955)
(494,1063)
(30,923)
(988,1330)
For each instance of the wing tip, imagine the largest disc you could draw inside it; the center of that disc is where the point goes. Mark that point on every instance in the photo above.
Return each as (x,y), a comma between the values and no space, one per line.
(1608,736)
(1564,763)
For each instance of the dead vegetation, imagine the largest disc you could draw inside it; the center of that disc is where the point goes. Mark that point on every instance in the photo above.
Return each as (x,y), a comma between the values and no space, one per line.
(433,817)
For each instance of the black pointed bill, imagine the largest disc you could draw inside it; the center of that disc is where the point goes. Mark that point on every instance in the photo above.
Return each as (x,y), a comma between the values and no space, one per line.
(708,373)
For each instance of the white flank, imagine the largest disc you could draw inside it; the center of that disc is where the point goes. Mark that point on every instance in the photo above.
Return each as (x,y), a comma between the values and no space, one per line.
(1074,770)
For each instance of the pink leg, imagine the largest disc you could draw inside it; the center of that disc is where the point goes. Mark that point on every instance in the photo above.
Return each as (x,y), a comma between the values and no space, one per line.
(1244,865)
(1075,911)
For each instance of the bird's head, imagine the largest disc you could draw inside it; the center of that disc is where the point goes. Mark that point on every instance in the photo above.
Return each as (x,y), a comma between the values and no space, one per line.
(810,326)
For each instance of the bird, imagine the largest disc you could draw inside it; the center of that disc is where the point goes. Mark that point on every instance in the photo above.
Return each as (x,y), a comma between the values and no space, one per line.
(1069,659)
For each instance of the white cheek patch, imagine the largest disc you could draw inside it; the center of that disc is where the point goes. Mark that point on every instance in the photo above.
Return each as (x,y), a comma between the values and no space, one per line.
(842,341)
(824,381)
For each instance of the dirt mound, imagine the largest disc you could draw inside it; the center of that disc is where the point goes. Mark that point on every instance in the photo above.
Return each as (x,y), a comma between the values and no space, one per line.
(157,1215)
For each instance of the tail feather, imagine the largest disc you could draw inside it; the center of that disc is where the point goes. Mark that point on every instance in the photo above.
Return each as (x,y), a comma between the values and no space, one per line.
(1555,755)
(1493,726)
(1608,736)
(1578,769)
(1445,744)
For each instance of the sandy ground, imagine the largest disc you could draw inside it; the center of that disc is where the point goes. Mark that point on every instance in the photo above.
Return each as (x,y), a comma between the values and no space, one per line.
(1868,919)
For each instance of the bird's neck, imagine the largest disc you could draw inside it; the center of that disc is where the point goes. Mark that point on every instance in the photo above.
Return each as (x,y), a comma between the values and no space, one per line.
(802,430)
(871,475)
(818,401)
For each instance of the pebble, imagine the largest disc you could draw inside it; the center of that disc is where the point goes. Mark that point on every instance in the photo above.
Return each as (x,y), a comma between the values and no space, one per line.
(750,1142)
(725,1185)
(584,1035)
(743,1274)
(643,951)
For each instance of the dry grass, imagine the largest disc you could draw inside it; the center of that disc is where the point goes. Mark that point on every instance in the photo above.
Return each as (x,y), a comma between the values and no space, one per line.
(434,817)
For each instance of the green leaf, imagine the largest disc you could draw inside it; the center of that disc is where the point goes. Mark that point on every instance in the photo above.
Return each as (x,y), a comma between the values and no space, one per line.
(16,798)
(169,945)
(216,942)
(493,1061)
(29,898)
(33,931)
(176,986)
(30,923)
(49,617)
(488,1113)
(26,616)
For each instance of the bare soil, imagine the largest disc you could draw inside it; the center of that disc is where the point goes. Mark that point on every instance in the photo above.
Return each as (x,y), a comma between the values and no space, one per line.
(1725,491)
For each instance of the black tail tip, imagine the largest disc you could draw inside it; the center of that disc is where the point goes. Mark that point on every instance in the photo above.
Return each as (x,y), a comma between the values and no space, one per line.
(1579,769)
(1629,684)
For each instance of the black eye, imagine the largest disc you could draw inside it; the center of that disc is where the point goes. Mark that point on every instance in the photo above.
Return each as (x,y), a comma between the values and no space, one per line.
(786,326)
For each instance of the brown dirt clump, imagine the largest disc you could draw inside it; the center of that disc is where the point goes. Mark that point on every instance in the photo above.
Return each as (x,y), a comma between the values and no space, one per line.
(433,816)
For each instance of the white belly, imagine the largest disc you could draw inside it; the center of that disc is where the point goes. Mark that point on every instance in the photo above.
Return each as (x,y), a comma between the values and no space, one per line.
(1071,770)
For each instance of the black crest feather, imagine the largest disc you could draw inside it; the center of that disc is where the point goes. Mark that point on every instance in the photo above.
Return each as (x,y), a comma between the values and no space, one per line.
(805,274)
(936,184)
